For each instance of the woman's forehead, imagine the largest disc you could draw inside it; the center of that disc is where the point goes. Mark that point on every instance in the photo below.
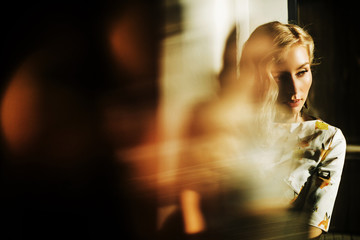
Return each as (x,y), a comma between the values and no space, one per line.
(293,57)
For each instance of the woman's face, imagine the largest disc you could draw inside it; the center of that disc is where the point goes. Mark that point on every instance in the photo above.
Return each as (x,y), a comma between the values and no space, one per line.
(294,78)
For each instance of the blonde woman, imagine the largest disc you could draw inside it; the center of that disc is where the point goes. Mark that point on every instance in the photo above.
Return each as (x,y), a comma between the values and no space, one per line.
(275,75)
(280,57)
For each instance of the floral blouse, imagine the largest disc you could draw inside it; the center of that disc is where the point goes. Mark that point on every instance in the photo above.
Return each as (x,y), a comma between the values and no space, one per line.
(316,164)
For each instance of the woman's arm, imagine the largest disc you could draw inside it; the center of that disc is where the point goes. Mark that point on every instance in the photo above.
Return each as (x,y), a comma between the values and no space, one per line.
(325,182)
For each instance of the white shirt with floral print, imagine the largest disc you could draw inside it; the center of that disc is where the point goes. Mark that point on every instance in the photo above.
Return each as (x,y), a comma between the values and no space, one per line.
(315,168)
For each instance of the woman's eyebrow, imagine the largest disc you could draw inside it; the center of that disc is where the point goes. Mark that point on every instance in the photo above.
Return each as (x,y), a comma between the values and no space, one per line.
(303,65)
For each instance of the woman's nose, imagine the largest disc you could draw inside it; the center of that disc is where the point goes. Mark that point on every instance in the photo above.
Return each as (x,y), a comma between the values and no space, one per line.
(294,84)
(289,84)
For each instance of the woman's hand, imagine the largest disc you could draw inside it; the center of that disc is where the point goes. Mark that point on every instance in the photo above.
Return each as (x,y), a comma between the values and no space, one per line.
(314,232)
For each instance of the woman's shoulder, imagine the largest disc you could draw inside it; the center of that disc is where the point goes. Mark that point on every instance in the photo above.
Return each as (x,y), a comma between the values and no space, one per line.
(319,127)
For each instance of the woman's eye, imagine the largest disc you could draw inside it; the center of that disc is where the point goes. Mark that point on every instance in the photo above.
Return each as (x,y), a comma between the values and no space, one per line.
(302,72)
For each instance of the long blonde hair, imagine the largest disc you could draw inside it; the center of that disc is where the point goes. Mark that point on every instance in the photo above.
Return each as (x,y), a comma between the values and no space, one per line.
(266,45)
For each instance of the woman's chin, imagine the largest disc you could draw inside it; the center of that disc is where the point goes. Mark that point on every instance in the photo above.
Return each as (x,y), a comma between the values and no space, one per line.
(289,114)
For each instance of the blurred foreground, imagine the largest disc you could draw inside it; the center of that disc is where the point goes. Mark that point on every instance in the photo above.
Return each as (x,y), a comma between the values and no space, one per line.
(91,150)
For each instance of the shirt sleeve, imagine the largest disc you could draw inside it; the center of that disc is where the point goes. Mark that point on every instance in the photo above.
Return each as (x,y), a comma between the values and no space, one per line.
(325,181)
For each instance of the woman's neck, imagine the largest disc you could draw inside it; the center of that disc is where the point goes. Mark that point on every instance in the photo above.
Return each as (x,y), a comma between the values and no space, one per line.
(289,118)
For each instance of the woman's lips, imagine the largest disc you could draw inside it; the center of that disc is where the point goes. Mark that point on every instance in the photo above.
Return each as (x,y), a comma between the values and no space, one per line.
(294,103)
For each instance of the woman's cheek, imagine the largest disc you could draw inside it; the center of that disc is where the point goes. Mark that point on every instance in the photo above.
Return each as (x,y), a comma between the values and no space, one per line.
(307,83)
